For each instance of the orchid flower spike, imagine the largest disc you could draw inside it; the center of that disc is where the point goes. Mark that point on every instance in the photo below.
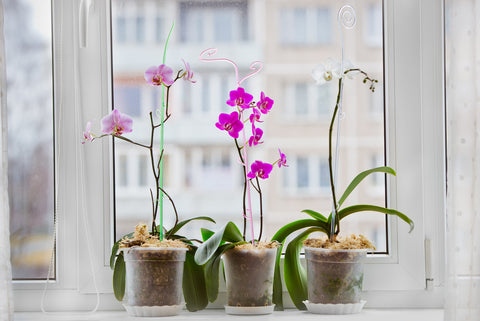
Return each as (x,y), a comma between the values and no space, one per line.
(265,103)
(240,98)
(116,123)
(327,71)
(260,169)
(188,74)
(87,134)
(161,75)
(231,123)
(283,159)
(255,138)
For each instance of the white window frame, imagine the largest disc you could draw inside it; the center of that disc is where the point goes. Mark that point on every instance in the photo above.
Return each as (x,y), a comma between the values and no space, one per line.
(414,95)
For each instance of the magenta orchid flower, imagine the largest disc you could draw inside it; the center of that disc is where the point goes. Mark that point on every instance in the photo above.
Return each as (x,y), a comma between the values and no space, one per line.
(265,103)
(188,75)
(116,123)
(283,159)
(255,139)
(87,134)
(231,123)
(240,98)
(161,75)
(260,169)
(255,116)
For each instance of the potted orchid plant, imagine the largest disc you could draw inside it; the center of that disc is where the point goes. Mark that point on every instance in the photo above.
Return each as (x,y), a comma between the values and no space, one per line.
(334,275)
(249,261)
(155,267)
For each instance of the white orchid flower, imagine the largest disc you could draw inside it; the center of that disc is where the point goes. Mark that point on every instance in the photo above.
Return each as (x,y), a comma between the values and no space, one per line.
(327,71)
(347,65)
(332,69)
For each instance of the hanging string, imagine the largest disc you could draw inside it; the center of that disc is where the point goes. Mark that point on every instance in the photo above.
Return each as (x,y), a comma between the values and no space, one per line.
(346,18)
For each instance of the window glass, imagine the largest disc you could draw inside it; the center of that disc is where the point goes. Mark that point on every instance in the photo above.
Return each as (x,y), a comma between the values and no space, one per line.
(204,174)
(30,135)
(140,29)
(127,98)
(302,172)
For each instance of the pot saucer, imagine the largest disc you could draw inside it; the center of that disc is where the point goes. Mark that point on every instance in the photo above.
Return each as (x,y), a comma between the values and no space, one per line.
(249,310)
(329,308)
(153,311)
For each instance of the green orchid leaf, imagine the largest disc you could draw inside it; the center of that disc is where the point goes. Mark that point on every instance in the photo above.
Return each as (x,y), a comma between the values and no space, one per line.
(316,215)
(289,228)
(228,233)
(194,288)
(372,208)
(360,177)
(206,233)
(115,248)
(280,237)
(212,271)
(113,255)
(181,224)
(293,272)
(119,277)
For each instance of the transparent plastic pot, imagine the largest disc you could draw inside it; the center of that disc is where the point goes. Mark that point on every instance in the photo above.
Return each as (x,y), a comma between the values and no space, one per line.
(249,277)
(334,276)
(154,276)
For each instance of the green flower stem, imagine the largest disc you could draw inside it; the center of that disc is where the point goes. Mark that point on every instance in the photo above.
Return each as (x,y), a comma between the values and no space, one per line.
(157,177)
(239,150)
(330,168)
(261,208)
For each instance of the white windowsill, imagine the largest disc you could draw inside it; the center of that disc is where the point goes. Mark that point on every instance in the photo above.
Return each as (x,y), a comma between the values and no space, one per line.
(291,314)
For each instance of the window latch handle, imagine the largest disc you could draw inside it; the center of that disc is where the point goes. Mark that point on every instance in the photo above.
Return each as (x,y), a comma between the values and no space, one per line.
(83,15)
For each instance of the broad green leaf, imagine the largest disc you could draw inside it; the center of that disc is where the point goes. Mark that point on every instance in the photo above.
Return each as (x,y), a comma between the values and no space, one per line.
(293,272)
(360,177)
(194,289)
(280,237)
(212,270)
(206,233)
(181,224)
(228,233)
(372,208)
(113,255)
(289,228)
(119,277)
(315,215)
(115,247)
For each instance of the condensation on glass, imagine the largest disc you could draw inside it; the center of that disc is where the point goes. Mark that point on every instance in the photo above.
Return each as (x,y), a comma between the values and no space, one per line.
(203,173)
(30,135)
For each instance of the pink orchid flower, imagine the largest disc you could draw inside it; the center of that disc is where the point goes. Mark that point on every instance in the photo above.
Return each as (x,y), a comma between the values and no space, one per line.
(283,159)
(265,103)
(240,98)
(157,76)
(255,116)
(255,139)
(188,75)
(87,134)
(231,123)
(116,123)
(260,169)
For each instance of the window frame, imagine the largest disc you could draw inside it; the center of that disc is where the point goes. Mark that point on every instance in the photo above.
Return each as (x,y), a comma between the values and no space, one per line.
(414,96)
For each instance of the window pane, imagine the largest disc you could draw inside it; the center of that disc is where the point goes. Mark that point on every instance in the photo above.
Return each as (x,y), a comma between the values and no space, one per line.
(30,135)
(205,177)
